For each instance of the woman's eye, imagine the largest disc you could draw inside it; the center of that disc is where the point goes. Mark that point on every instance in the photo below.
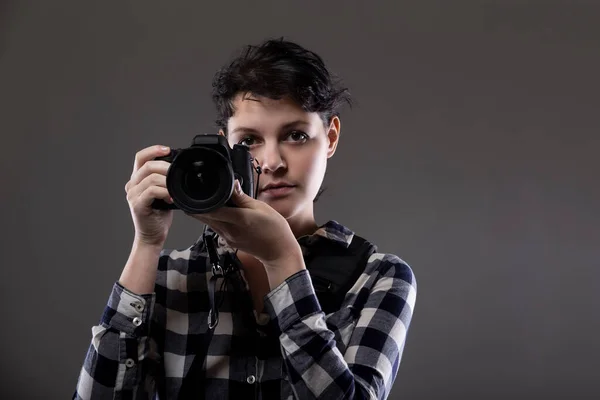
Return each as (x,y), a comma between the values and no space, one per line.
(247,141)
(298,136)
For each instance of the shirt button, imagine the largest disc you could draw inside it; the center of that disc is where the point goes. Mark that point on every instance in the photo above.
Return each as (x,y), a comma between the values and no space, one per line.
(251,379)
(137,321)
(129,363)
(139,306)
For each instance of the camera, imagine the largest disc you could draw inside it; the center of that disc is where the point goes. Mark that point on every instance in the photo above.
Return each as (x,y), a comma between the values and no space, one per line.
(201,177)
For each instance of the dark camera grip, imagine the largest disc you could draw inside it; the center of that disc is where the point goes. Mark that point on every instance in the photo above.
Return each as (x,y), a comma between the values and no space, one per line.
(242,165)
(167,158)
(159,204)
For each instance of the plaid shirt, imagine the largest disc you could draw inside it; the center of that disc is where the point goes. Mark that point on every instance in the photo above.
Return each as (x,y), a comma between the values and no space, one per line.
(144,345)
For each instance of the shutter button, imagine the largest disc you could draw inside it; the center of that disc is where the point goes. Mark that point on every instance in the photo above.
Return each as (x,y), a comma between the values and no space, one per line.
(251,379)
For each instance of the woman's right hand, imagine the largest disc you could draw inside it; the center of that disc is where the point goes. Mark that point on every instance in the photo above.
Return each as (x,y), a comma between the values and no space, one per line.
(148,182)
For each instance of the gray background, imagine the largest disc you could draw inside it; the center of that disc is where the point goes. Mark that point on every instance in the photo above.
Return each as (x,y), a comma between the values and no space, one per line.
(472,153)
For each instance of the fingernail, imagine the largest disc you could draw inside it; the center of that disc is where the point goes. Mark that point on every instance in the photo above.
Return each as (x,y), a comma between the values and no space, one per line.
(164,148)
(238,187)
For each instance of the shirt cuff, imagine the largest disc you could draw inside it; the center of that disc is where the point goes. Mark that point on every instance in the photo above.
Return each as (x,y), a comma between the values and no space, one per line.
(292,301)
(128,312)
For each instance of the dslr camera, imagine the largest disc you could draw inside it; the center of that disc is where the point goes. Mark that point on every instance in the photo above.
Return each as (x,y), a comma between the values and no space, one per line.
(201,177)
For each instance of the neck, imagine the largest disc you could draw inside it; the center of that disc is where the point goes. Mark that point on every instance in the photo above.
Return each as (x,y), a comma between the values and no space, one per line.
(303,223)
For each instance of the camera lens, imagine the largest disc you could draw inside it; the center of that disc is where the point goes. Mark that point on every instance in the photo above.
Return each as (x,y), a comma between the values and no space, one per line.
(200,179)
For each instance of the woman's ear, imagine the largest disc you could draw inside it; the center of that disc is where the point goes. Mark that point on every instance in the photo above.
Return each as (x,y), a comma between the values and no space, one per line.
(333,135)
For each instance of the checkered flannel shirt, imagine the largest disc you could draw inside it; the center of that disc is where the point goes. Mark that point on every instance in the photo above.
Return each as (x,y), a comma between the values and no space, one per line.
(144,344)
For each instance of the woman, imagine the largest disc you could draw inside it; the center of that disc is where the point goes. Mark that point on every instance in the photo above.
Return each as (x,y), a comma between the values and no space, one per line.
(261,329)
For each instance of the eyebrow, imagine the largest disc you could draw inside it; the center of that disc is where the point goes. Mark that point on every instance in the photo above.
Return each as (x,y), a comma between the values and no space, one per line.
(283,127)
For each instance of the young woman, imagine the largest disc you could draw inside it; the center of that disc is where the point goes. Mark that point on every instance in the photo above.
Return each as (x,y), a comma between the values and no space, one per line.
(265,328)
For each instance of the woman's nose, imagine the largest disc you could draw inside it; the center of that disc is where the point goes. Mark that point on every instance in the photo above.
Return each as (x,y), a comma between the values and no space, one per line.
(271,159)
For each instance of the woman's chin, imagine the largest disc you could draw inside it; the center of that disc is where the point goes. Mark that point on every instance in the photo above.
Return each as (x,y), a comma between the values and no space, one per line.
(283,209)
(283,206)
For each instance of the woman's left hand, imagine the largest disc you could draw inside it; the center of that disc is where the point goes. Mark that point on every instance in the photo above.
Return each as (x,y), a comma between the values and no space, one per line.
(255,228)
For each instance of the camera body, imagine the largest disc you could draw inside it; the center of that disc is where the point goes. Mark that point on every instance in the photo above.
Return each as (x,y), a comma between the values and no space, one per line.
(201,177)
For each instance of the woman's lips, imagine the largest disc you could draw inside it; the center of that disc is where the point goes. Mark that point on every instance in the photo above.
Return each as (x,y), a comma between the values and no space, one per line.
(280,191)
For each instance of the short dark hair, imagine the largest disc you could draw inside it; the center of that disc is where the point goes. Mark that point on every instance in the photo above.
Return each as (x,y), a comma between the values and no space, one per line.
(274,69)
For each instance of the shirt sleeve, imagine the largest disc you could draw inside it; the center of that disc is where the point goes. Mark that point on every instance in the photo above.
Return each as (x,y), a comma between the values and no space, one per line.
(316,368)
(120,362)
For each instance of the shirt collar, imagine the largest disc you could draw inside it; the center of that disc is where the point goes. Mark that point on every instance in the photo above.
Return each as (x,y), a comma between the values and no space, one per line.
(336,232)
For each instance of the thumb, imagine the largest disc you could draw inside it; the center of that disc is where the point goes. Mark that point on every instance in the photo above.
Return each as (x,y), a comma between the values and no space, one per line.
(240,198)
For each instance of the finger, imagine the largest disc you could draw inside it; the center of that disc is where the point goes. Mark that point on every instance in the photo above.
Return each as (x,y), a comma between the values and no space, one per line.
(148,169)
(155,179)
(216,226)
(156,183)
(200,217)
(218,230)
(210,220)
(230,215)
(147,154)
(241,199)
(151,193)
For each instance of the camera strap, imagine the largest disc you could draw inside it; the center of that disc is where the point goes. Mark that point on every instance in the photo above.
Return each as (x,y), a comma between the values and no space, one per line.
(192,384)
(217,272)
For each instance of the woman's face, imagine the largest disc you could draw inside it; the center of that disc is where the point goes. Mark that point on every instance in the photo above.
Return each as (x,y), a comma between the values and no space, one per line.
(291,146)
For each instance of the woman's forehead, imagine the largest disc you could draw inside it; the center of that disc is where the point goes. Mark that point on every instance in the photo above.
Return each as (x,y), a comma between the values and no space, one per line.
(261,113)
